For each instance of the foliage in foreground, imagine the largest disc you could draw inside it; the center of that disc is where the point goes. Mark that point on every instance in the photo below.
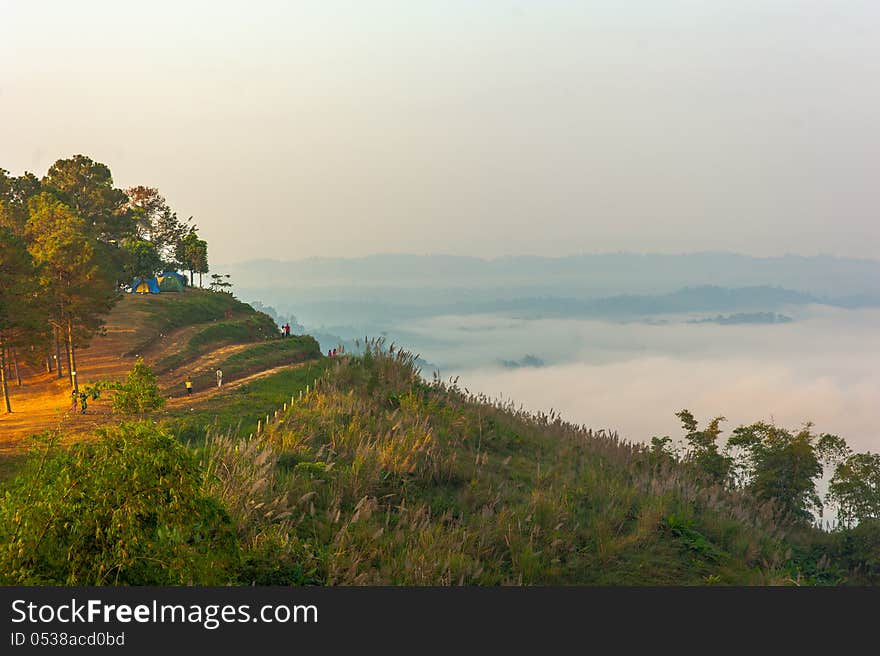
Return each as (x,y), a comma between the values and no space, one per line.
(128,508)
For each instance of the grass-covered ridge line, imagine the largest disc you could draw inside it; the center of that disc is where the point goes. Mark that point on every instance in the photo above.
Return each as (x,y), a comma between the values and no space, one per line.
(379,477)
(256,327)
(402,482)
(255,358)
(240,411)
(171,311)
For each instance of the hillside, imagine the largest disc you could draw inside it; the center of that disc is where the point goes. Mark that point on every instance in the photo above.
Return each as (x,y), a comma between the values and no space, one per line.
(193,333)
(364,473)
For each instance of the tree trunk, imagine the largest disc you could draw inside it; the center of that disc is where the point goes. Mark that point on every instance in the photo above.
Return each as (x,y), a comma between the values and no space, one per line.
(48,363)
(63,337)
(58,367)
(15,365)
(72,354)
(200,279)
(3,375)
(191,278)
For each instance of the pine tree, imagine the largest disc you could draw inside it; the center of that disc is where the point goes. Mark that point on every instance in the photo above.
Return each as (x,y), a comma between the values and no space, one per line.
(87,188)
(79,290)
(17,287)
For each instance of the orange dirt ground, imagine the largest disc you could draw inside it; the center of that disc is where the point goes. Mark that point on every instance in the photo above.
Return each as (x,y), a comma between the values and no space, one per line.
(43,401)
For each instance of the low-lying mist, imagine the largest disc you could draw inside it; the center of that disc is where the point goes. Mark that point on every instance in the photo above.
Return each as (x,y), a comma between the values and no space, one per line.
(632,377)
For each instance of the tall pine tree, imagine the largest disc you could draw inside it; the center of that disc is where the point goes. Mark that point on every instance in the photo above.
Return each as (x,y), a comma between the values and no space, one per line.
(80,291)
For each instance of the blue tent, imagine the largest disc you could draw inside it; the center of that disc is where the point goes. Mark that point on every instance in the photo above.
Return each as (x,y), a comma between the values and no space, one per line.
(145,286)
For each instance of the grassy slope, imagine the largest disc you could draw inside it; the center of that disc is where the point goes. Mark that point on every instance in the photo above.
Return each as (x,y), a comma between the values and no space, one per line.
(377,477)
(384,479)
(167,312)
(240,410)
(206,338)
(173,330)
(260,357)
(213,321)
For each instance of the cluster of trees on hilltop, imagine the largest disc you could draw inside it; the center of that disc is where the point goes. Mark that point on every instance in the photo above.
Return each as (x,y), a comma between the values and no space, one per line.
(781,467)
(69,242)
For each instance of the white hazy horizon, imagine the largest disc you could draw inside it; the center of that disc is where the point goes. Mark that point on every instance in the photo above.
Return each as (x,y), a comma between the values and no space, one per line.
(339,128)
(633,377)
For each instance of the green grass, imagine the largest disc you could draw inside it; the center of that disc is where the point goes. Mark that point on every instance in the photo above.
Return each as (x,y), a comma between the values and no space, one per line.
(241,409)
(170,311)
(259,357)
(377,477)
(388,480)
(9,467)
(248,329)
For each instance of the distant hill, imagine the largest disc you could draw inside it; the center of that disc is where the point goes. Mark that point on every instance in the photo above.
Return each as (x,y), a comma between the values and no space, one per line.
(689,299)
(745,318)
(379,293)
(579,276)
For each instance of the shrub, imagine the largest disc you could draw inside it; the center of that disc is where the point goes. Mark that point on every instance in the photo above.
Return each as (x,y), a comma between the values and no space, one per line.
(859,551)
(703,448)
(126,509)
(139,393)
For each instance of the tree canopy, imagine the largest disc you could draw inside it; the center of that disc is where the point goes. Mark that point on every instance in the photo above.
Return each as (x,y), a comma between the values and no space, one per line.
(69,243)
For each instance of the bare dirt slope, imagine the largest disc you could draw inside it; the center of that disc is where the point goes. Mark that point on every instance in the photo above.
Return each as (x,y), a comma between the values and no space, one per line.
(43,402)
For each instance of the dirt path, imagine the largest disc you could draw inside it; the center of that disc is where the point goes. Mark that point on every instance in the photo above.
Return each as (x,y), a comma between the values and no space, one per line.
(43,402)
(228,388)
(174,379)
(176,341)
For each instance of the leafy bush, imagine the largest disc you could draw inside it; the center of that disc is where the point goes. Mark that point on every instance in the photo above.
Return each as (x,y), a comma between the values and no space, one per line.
(858,549)
(126,509)
(139,393)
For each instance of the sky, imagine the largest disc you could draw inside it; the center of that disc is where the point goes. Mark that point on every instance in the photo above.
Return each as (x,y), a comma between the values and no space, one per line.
(500,127)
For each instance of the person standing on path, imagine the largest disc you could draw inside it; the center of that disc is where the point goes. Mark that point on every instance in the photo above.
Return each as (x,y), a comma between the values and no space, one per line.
(219,378)
(73,398)
(189,385)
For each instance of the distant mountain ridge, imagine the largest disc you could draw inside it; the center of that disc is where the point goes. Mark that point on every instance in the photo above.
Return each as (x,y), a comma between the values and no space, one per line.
(581,276)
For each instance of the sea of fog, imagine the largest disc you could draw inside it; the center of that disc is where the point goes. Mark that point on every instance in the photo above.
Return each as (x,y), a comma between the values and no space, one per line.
(823,367)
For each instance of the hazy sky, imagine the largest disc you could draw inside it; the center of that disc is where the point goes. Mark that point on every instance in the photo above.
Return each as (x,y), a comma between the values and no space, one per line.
(292,129)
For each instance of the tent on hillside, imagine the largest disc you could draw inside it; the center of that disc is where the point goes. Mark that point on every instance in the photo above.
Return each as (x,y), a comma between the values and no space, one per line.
(182,278)
(170,282)
(145,286)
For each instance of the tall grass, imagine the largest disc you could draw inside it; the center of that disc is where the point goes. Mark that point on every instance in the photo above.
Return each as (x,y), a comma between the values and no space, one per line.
(381,477)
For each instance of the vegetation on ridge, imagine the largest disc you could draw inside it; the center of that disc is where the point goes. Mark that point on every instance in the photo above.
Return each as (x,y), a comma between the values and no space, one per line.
(379,477)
